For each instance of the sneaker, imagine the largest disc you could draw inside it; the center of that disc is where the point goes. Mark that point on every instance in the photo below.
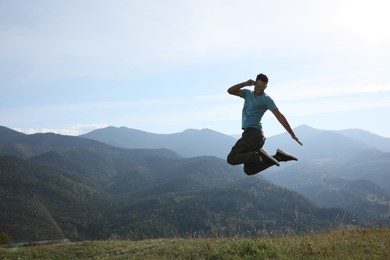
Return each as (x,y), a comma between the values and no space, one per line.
(265,156)
(282,156)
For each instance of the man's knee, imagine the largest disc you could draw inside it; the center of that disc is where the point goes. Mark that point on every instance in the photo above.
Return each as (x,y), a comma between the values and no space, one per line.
(230,159)
(250,170)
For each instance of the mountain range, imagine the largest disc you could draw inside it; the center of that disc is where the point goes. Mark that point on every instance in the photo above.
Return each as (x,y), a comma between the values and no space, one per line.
(330,162)
(348,169)
(54,186)
(189,143)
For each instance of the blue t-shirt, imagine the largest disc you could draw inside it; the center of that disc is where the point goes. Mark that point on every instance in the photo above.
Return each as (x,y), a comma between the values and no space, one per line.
(254,108)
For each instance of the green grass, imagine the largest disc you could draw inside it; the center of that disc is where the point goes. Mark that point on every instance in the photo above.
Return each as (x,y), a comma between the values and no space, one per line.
(343,244)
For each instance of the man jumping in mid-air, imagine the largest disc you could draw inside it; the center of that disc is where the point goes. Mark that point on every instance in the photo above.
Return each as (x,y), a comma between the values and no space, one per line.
(248,149)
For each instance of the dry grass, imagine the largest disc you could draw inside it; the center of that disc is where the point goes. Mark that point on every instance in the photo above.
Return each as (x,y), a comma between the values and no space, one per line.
(344,244)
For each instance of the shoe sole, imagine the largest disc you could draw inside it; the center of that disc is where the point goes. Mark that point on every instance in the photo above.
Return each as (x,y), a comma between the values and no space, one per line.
(287,154)
(269,157)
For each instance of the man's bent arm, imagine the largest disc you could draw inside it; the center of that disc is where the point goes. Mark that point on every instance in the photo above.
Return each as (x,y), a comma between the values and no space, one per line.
(236,89)
(283,121)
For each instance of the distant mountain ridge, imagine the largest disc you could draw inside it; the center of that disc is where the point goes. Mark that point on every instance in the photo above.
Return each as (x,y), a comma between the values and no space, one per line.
(188,143)
(194,142)
(379,142)
(331,163)
(8,135)
(26,146)
(317,142)
(347,155)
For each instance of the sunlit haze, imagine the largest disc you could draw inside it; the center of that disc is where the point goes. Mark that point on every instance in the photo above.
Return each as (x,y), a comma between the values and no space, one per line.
(70,67)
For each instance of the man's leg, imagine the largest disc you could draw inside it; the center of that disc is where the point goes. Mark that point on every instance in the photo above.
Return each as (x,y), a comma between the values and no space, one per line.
(246,148)
(241,154)
(253,168)
(283,156)
(266,162)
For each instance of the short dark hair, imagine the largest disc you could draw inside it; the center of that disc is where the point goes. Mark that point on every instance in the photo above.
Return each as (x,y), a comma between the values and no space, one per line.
(262,77)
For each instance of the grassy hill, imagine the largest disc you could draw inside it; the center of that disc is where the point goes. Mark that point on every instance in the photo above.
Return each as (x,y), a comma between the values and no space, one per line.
(166,198)
(342,244)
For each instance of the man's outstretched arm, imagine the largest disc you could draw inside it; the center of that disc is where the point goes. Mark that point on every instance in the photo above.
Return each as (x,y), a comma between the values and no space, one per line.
(283,121)
(236,89)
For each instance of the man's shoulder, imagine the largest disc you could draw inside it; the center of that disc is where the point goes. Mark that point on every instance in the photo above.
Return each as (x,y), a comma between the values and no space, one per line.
(245,92)
(270,102)
(266,96)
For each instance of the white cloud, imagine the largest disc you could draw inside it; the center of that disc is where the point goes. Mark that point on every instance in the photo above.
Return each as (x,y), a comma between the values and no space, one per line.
(72,130)
(105,41)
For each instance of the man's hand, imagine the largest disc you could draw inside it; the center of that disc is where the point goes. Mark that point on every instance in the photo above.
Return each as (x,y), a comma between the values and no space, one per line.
(285,124)
(236,89)
(296,139)
(250,82)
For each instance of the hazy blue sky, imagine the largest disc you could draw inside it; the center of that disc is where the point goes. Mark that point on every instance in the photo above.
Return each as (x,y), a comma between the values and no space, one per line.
(164,66)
